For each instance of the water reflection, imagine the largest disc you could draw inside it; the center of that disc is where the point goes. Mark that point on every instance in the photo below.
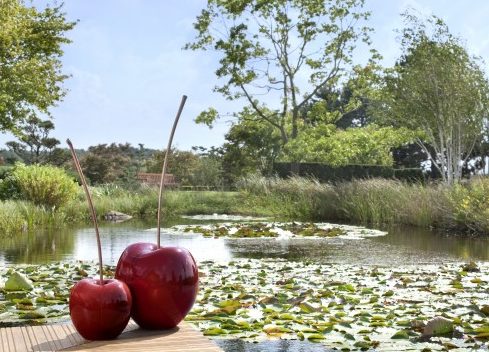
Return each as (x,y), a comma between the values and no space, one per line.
(401,245)
(115,239)
(40,247)
(271,346)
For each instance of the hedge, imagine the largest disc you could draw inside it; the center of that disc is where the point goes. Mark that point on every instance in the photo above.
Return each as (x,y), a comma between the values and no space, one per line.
(327,173)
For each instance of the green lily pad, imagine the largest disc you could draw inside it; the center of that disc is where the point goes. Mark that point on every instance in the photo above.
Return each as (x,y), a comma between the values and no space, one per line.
(401,334)
(438,326)
(18,282)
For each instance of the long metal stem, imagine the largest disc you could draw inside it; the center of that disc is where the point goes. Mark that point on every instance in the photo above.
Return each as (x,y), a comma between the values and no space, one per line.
(163,172)
(90,205)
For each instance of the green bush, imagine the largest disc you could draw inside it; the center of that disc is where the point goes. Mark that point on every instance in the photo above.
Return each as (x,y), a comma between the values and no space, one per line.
(8,187)
(42,185)
(470,205)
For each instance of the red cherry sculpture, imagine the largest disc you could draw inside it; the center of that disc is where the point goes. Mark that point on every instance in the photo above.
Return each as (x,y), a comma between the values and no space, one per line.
(163,282)
(100,312)
(99,309)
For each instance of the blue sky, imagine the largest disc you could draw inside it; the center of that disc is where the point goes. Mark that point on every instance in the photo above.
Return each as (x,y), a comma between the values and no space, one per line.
(129,70)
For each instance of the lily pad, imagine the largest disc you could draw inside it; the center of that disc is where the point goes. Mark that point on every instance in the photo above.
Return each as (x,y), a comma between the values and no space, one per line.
(438,326)
(18,282)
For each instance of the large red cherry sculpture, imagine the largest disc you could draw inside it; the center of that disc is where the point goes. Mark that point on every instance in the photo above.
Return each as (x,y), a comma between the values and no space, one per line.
(163,280)
(100,311)
(163,283)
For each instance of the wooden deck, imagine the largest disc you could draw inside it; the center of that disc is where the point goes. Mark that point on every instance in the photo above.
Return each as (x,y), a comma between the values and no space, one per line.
(64,337)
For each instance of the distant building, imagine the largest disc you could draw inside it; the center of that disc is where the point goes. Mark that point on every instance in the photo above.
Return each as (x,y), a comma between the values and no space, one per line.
(155,179)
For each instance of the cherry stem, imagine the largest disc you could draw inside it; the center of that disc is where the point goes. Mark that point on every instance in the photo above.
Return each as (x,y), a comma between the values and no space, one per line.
(90,205)
(163,172)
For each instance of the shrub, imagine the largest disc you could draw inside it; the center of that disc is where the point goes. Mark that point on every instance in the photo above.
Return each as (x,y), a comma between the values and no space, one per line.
(8,187)
(43,185)
(470,205)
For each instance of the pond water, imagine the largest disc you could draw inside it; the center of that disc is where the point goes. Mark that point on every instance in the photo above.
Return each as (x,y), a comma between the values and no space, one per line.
(401,246)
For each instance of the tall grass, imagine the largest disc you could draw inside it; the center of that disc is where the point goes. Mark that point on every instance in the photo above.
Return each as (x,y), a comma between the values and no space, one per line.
(20,216)
(143,203)
(294,198)
(368,201)
(371,201)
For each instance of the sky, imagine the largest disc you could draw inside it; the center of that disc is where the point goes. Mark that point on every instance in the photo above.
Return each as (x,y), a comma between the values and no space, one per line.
(129,72)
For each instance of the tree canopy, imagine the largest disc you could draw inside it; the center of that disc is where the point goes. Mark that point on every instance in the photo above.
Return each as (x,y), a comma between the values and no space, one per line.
(278,54)
(34,144)
(438,88)
(30,68)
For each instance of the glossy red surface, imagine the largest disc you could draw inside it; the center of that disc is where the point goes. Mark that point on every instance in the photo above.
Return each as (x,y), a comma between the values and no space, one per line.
(100,312)
(163,282)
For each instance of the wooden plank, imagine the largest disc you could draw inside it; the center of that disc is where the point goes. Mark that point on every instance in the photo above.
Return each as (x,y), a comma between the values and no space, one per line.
(4,342)
(57,337)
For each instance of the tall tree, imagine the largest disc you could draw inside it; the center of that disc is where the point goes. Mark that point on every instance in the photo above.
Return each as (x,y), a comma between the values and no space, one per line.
(107,163)
(34,144)
(280,51)
(30,68)
(439,88)
(251,146)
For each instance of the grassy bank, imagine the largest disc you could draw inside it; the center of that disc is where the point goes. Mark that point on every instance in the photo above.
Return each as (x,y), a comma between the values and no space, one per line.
(19,216)
(374,201)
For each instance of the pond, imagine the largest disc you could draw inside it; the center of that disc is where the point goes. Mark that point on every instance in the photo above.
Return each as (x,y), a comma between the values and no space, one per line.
(406,246)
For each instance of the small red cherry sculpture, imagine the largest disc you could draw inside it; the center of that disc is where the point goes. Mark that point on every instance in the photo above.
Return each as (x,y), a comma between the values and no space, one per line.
(99,309)
(163,282)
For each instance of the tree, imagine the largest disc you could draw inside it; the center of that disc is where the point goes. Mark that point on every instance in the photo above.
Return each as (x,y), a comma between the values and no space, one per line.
(34,144)
(439,88)
(251,146)
(370,145)
(282,50)
(181,164)
(30,66)
(107,163)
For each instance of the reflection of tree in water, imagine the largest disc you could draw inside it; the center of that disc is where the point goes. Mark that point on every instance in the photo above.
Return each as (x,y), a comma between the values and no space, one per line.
(38,247)
(413,245)
(461,246)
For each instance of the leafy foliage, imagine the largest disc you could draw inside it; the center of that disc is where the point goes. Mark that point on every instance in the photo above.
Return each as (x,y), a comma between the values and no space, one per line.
(370,145)
(438,88)
(266,47)
(43,185)
(34,145)
(106,163)
(470,203)
(30,65)
(341,306)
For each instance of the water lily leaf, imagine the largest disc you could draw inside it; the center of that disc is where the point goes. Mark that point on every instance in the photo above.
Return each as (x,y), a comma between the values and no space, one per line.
(471,267)
(482,336)
(485,309)
(307,308)
(214,332)
(275,329)
(363,345)
(401,334)
(18,282)
(438,326)
(31,315)
(286,316)
(313,337)
(229,306)
(346,287)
